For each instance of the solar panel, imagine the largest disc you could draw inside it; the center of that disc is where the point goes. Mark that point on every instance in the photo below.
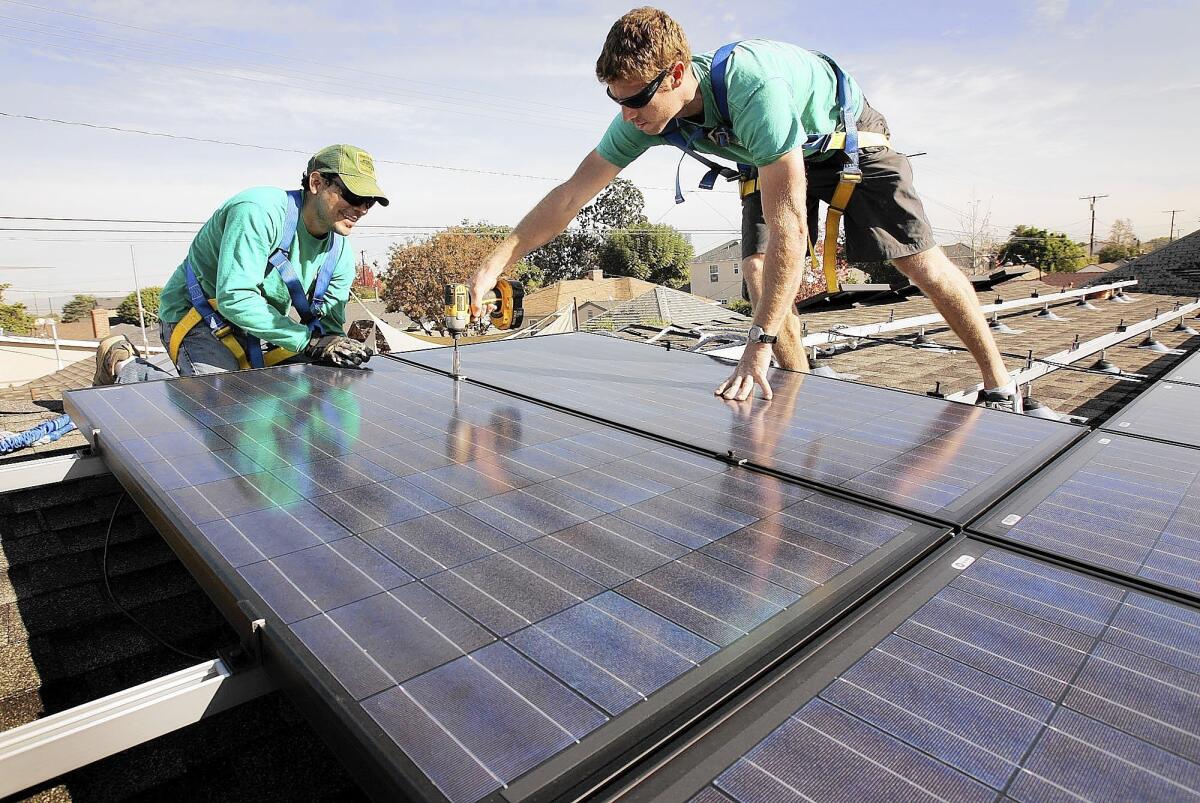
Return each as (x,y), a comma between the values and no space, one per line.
(924,455)
(1187,372)
(1012,679)
(1127,505)
(1165,412)
(461,586)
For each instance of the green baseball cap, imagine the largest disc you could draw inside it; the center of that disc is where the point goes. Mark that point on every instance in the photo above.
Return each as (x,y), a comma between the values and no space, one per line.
(354,165)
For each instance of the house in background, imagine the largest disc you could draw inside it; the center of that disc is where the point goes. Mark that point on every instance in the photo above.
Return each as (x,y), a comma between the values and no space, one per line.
(717,273)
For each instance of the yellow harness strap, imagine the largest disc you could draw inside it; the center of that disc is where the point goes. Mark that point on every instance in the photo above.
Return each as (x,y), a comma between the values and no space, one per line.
(228,338)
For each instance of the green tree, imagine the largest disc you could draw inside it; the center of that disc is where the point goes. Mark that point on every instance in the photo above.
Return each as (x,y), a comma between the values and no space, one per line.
(1114,252)
(1150,246)
(618,206)
(1052,252)
(13,317)
(657,254)
(127,310)
(78,308)
(739,305)
(576,250)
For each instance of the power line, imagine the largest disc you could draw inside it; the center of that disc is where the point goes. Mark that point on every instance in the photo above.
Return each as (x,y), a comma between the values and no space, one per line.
(1171,212)
(287,57)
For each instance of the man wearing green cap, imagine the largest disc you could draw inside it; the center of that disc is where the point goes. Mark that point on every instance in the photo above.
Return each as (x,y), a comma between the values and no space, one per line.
(261,254)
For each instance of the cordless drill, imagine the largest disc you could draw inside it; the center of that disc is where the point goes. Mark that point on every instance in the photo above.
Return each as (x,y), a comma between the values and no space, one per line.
(507,300)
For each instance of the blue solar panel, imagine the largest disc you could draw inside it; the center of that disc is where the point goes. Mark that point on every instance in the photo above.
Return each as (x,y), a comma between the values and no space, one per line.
(483,579)
(1016,680)
(1126,505)
(924,455)
(1165,412)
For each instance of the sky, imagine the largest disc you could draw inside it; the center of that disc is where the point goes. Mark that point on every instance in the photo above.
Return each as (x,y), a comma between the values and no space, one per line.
(473,110)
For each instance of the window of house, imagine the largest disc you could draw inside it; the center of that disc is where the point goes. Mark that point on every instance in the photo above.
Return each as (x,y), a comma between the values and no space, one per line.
(736,270)
(714,272)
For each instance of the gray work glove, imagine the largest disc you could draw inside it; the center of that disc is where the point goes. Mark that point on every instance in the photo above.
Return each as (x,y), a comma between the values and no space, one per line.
(344,352)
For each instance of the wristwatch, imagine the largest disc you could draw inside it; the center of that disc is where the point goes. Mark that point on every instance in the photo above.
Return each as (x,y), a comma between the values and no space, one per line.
(757,335)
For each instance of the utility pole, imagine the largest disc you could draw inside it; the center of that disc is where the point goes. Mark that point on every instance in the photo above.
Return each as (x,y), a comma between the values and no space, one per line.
(1091,199)
(1171,212)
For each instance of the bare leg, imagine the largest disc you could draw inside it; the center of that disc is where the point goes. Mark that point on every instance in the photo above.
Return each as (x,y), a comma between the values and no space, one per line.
(952,296)
(789,349)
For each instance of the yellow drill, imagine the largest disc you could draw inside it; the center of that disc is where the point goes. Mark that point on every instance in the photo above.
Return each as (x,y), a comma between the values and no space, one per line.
(507,300)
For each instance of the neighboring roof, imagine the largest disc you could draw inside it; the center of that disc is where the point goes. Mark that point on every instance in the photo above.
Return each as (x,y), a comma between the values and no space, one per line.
(354,312)
(62,643)
(1174,268)
(554,297)
(730,249)
(899,365)
(662,306)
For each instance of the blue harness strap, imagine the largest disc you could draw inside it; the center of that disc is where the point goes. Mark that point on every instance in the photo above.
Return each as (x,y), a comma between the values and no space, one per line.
(722,135)
(310,312)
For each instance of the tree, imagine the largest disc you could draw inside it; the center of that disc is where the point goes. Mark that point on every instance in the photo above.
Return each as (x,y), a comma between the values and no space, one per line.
(127,310)
(618,206)
(13,317)
(418,273)
(78,308)
(1052,252)
(1150,246)
(1115,253)
(739,305)
(976,222)
(657,254)
(574,251)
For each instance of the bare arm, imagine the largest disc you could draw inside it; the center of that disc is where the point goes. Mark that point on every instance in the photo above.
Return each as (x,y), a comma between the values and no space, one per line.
(783,198)
(545,221)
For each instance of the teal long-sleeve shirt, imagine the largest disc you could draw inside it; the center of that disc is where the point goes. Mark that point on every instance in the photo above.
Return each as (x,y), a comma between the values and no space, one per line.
(229,256)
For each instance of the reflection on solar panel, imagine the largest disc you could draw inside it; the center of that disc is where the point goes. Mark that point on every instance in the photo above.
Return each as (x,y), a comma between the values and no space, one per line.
(1187,372)
(924,455)
(1165,412)
(1016,679)
(1125,504)
(487,580)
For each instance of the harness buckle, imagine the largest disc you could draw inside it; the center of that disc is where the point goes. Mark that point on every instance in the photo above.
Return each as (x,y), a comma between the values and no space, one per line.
(851,175)
(223,331)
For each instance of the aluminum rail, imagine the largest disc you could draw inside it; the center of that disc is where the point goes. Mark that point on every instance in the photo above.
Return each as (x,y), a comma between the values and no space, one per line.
(46,748)
(1045,365)
(18,475)
(866,330)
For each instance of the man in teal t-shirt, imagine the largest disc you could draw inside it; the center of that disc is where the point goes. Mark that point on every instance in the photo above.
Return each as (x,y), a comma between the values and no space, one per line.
(779,96)
(229,260)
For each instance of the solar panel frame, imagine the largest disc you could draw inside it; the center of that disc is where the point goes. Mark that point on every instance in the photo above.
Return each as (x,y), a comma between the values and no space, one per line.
(1187,372)
(820,452)
(1165,412)
(1132,549)
(687,770)
(362,742)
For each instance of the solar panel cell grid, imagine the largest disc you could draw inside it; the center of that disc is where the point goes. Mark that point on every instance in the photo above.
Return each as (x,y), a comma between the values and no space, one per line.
(924,455)
(1016,680)
(494,591)
(1125,504)
(1165,412)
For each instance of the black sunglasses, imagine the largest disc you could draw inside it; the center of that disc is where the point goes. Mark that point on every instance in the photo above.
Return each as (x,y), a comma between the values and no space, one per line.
(347,196)
(640,99)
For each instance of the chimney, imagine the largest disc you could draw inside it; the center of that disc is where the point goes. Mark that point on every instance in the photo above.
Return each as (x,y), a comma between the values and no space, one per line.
(100,324)
(596,275)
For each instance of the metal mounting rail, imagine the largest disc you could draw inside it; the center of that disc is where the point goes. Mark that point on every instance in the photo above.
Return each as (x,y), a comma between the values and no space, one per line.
(49,470)
(46,748)
(866,330)
(1045,365)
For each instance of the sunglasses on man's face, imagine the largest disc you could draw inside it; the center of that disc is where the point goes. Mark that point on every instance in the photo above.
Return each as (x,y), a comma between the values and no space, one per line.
(349,197)
(640,99)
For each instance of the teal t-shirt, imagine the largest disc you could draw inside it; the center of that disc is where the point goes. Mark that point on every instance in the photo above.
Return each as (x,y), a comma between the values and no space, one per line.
(229,255)
(778,95)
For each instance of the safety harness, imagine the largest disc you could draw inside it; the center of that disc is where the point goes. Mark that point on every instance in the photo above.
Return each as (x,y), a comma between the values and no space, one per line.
(848,140)
(247,348)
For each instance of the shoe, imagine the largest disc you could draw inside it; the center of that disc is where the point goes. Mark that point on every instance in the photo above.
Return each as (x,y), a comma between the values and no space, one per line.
(111,352)
(997,400)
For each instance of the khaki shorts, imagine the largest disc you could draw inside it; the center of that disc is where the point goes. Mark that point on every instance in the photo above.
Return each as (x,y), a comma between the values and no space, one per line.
(884,219)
